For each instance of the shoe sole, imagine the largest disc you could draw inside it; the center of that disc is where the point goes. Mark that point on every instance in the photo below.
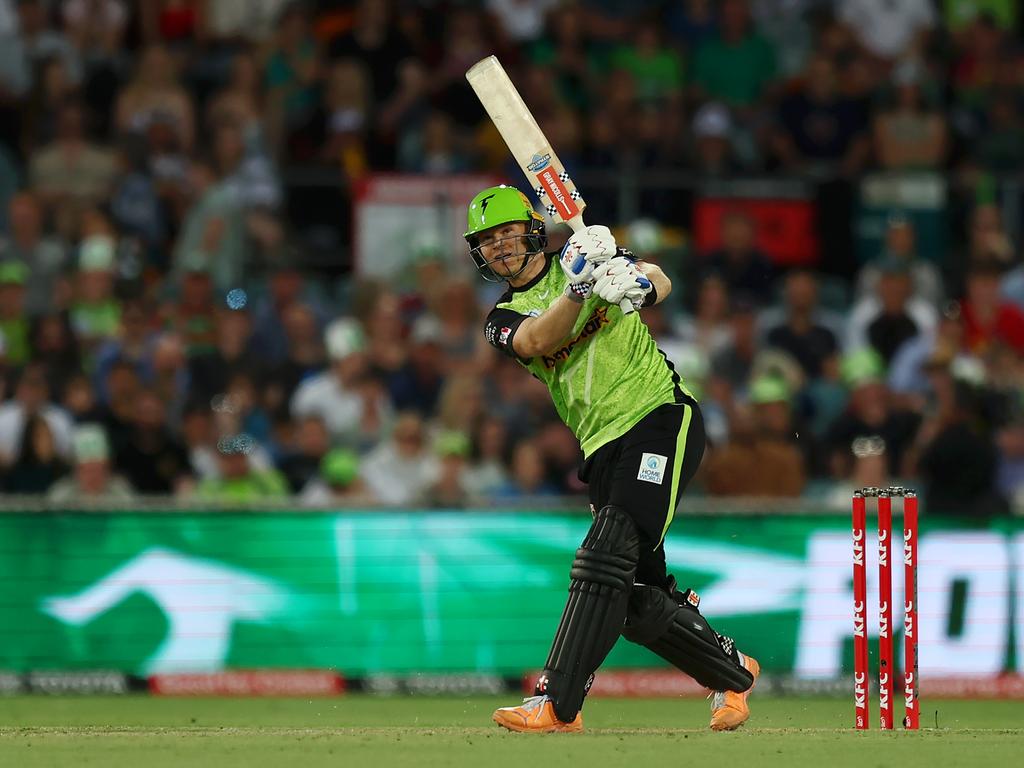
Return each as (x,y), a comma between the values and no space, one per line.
(516,728)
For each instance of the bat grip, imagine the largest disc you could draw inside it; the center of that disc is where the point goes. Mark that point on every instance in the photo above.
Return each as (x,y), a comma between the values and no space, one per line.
(577,225)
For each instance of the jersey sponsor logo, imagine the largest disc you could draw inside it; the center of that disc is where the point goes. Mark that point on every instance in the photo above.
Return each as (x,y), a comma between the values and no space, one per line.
(503,336)
(597,320)
(652,468)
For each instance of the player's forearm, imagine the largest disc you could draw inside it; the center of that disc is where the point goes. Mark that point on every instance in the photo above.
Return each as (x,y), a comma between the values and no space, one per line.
(662,285)
(537,335)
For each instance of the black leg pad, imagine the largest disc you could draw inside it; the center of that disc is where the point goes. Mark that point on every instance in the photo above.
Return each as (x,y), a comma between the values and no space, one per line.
(666,623)
(600,582)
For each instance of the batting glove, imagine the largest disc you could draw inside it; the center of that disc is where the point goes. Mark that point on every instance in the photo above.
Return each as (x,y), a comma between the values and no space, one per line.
(618,279)
(584,250)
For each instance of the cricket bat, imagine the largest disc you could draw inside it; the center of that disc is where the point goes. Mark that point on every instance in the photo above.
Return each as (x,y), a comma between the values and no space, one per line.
(528,145)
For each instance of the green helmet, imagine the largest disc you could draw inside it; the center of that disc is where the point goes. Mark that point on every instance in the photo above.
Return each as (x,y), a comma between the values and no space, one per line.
(500,205)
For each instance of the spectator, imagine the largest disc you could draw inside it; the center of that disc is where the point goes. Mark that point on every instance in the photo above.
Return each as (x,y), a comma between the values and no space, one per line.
(239,480)
(340,395)
(291,74)
(304,360)
(957,462)
(14,321)
(155,93)
(910,135)
(31,397)
(450,490)
(528,475)
(893,316)
(869,414)
(117,399)
(232,350)
(43,43)
(44,256)
(92,481)
(150,457)
(819,129)
(401,469)
(656,67)
(312,443)
(804,331)
(707,329)
(487,471)
(738,261)
(95,312)
(737,66)
(901,244)
(988,318)
(338,482)
(79,399)
(418,383)
(54,347)
(753,463)
(70,173)
(889,30)
(712,153)
(192,314)
(345,120)
(38,466)
(733,363)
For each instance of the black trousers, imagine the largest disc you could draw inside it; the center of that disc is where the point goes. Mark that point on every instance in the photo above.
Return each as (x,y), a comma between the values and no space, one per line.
(645,472)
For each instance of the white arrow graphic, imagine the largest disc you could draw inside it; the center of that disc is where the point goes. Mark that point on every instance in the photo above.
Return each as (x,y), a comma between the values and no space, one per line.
(200,598)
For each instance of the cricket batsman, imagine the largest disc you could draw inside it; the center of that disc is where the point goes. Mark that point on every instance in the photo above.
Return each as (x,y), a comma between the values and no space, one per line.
(642,437)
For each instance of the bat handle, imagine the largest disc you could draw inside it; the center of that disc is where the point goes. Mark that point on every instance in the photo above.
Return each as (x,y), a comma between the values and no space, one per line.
(577,225)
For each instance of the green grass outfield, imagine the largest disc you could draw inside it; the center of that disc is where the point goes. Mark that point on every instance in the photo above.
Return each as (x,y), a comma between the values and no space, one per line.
(144,732)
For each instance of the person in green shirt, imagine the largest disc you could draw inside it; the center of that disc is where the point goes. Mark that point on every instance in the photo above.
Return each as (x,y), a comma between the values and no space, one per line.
(14,325)
(239,482)
(737,65)
(642,437)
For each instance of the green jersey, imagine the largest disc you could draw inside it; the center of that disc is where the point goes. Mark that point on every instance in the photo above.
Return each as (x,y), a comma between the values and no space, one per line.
(605,376)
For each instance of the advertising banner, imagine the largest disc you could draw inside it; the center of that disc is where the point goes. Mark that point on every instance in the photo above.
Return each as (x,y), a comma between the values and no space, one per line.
(372,593)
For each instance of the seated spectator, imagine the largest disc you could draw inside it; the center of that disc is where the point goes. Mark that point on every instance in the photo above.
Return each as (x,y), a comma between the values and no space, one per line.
(79,399)
(70,174)
(149,456)
(713,153)
(775,418)
(191,313)
(31,397)
(91,481)
(55,348)
(707,330)
(343,395)
(900,245)
(734,362)
(169,375)
(401,469)
(737,65)
(343,122)
(910,134)
(116,396)
(305,357)
(889,30)
(44,256)
(869,414)
(819,129)
(155,92)
(804,331)
(418,383)
(312,444)
(988,318)
(292,73)
(487,471)
(337,482)
(957,462)
(739,262)
(657,68)
(753,463)
(908,370)
(239,479)
(232,350)
(38,466)
(95,310)
(528,475)
(450,490)
(14,321)
(893,316)
(133,344)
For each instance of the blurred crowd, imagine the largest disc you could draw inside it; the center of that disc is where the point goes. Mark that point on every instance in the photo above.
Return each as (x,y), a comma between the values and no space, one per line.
(160,332)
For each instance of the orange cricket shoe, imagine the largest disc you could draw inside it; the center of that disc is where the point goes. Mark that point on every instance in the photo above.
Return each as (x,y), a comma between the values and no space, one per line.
(729,710)
(536,715)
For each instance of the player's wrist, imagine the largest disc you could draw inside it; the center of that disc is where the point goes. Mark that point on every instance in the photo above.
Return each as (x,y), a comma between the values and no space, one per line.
(578,292)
